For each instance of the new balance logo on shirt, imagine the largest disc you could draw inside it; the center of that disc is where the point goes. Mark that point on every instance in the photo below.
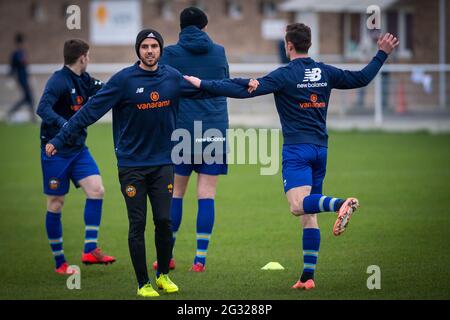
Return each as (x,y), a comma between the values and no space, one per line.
(312,75)
(140,90)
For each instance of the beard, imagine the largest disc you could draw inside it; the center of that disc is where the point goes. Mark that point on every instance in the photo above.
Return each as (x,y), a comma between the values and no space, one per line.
(150,64)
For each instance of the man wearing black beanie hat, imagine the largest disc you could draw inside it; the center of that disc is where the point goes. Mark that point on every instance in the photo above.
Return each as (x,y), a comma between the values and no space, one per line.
(144,98)
(196,54)
(151,34)
(193,16)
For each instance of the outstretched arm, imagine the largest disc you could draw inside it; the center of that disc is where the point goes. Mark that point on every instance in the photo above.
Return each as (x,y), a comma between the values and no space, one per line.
(92,111)
(344,79)
(241,88)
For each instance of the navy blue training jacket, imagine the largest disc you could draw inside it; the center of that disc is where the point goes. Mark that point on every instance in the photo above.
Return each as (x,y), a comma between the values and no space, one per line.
(197,55)
(65,93)
(302,91)
(144,104)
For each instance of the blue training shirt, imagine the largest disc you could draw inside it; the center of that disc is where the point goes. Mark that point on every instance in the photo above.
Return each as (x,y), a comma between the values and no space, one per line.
(145,105)
(302,91)
(65,94)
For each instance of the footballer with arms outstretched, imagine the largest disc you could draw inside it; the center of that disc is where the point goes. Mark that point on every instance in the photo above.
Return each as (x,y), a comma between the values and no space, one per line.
(65,94)
(144,99)
(302,90)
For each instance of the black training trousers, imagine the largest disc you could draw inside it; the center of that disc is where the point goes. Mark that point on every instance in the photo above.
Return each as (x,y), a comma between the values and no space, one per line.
(156,183)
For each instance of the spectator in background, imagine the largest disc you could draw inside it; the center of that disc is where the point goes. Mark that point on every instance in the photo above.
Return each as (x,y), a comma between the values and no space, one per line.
(18,68)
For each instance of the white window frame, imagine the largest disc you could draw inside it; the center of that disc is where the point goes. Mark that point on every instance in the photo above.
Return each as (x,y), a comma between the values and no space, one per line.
(234,14)
(267,12)
(403,52)
(167,11)
(362,31)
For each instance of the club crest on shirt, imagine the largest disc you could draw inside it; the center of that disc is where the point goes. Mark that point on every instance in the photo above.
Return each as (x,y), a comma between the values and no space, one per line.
(80,100)
(78,105)
(130,190)
(154,96)
(170,187)
(53,183)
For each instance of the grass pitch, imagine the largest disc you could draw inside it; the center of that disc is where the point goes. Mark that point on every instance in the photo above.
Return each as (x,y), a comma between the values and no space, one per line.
(401,180)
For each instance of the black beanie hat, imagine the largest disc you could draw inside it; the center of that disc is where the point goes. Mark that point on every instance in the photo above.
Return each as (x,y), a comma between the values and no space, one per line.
(193,16)
(148,33)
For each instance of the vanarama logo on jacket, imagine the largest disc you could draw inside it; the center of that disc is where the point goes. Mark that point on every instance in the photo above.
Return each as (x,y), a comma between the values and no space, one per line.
(313,103)
(155,103)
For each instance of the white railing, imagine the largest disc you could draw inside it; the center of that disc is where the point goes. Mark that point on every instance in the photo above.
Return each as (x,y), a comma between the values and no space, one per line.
(438,72)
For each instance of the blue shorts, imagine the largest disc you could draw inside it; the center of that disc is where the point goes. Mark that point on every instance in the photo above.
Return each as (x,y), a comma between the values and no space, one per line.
(57,171)
(304,164)
(213,169)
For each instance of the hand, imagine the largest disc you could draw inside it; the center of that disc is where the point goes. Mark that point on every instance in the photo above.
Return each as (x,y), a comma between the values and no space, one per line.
(252,85)
(193,80)
(387,43)
(50,150)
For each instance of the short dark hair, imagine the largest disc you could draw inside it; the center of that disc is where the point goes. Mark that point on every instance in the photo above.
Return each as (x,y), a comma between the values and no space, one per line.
(300,36)
(73,49)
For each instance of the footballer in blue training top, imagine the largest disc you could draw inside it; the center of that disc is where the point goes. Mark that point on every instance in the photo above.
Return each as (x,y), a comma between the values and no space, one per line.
(144,99)
(302,90)
(66,92)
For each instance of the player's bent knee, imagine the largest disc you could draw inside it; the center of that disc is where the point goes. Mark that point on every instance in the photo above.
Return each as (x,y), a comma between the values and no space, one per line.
(96,192)
(55,204)
(296,210)
(310,221)
(177,193)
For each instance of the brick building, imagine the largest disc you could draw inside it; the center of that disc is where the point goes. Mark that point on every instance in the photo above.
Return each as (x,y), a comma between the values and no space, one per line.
(251,30)
(237,24)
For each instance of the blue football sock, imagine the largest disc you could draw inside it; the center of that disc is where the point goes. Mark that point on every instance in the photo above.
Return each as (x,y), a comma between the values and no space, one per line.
(315,203)
(176,213)
(205,224)
(92,218)
(54,234)
(311,245)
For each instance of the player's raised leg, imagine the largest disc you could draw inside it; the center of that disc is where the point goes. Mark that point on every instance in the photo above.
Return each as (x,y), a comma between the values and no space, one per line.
(315,203)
